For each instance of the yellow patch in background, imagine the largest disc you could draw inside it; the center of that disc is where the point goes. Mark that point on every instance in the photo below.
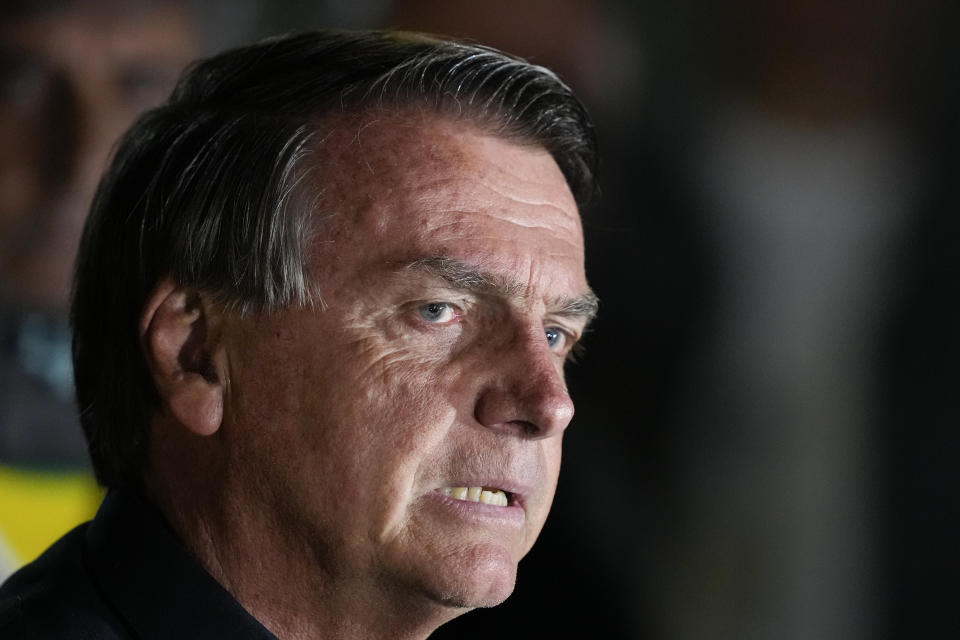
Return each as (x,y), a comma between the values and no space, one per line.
(37,507)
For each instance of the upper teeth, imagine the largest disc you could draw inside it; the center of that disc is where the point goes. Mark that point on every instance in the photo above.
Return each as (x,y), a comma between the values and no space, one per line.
(477,494)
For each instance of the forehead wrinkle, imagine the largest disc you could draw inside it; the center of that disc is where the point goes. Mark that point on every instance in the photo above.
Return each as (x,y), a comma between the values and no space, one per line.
(564,218)
(506,199)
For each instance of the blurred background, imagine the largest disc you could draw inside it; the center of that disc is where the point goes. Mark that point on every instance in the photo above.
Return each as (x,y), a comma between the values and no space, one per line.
(766,429)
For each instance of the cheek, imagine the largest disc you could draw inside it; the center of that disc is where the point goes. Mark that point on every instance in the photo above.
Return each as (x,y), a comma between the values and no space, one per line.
(387,416)
(552,452)
(551,469)
(383,383)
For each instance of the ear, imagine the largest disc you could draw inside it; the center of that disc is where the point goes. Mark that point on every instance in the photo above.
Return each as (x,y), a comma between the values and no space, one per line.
(179,337)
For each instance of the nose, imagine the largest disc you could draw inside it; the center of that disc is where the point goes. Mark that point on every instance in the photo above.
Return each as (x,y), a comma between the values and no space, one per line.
(526,394)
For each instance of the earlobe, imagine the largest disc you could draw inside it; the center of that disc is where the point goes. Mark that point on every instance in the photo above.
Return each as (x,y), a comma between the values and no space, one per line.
(179,338)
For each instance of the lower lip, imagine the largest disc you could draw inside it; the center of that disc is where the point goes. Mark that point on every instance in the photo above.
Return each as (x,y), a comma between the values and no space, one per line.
(512,513)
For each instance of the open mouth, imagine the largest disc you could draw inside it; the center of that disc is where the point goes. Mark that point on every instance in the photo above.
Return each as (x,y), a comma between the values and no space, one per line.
(486,495)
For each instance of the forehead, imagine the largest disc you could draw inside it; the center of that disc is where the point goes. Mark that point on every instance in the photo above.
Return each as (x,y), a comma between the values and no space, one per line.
(405,186)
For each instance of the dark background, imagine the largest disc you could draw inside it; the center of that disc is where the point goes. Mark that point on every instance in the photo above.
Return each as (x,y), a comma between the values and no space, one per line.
(766,428)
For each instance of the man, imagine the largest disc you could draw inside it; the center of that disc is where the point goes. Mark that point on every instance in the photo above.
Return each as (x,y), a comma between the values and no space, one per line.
(321,312)
(73,75)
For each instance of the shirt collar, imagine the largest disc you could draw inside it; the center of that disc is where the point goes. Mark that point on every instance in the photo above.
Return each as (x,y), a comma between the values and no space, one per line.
(153,582)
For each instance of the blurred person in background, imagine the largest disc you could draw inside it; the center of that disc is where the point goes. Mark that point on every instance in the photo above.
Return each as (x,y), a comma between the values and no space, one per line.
(73,75)
(807,176)
(783,165)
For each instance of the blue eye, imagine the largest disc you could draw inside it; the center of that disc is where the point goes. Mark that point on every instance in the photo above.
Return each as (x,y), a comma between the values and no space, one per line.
(437,312)
(556,338)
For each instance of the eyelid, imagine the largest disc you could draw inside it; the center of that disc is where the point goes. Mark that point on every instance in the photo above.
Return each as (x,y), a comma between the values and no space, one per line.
(455,309)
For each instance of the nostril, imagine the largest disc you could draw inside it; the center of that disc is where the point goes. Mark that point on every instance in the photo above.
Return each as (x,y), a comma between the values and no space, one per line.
(528,428)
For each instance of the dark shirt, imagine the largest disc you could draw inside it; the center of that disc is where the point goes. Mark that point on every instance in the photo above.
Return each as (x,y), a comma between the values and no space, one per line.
(123,575)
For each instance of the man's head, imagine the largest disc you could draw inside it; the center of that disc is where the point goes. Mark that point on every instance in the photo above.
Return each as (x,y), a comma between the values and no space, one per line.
(330,283)
(73,75)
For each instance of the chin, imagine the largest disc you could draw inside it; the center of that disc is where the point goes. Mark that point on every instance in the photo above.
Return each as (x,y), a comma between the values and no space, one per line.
(483,577)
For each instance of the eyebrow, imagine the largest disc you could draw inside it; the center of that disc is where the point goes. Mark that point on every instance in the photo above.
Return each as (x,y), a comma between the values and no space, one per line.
(464,276)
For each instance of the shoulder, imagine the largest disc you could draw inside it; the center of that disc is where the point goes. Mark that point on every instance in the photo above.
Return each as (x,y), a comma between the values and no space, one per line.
(55,597)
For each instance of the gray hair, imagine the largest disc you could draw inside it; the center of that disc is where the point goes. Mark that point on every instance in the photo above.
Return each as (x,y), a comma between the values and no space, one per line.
(200,190)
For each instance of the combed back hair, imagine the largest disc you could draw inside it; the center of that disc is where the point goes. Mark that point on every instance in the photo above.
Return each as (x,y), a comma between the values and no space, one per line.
(200,190)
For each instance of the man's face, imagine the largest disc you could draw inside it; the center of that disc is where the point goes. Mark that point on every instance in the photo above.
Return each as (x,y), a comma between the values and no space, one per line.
(451,269)
(71,80)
